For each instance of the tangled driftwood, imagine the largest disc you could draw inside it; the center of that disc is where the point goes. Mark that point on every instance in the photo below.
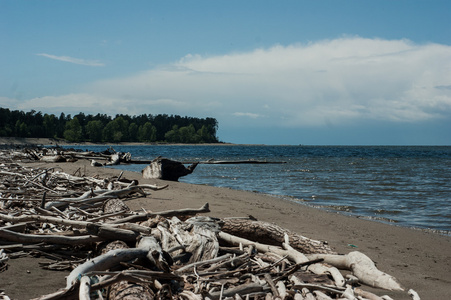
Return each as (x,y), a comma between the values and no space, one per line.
(174,254)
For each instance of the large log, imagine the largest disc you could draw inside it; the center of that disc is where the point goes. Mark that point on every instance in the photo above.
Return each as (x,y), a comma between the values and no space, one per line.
(166,169)
(271,234)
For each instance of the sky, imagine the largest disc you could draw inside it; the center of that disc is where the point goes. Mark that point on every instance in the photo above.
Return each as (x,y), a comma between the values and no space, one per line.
(319,72)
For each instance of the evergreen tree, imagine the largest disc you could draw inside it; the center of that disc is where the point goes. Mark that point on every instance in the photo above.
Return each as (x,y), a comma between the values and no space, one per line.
(73,131)
(94,131)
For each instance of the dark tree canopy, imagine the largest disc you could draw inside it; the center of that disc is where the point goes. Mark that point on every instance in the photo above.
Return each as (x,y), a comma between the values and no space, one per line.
(103,128)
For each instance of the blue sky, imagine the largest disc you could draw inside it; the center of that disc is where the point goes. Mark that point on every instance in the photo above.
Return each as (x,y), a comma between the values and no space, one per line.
(271,72)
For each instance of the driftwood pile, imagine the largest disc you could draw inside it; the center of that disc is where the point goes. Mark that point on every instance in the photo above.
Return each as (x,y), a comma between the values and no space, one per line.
(83,224)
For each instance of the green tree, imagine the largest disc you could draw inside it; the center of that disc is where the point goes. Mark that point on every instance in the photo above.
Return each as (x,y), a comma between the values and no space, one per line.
(116,130)
(94,131)
(21,129)
(188,134)
(133,132)
(73,131)
(206,134)
(147,133)
(50,124)
(173,136)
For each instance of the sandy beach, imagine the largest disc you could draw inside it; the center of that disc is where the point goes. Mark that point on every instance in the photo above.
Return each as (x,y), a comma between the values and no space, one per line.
(419,260)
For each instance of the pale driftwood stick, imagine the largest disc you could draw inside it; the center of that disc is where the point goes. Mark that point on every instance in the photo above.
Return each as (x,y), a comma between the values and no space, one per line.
(366,295)
(413,294)
(241,290)
(44,187)
(282,289)
(66,201)
(300,285)
(18,227)
(133,227)
(152,187)
(108,232)
(188,295)
(48,219)
(234,261)
(66,294)
(85,288)
(199,263)
(105,216)
(168,213)
(321,296)
(75,178)
(44,212)
(363,268)
(12,174)
(51,239)
(271,284)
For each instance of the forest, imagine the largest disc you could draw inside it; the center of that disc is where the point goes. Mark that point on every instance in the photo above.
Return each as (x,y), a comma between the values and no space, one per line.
(102,128)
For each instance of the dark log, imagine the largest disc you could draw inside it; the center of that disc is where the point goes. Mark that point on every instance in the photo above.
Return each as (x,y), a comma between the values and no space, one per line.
(166,169)
(233,162)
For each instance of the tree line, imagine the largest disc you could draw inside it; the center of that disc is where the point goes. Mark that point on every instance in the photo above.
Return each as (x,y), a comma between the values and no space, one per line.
(102,128)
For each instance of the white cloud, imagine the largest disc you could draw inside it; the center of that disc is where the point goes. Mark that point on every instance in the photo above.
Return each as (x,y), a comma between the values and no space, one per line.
(340,81)
(78,61)
(247,114)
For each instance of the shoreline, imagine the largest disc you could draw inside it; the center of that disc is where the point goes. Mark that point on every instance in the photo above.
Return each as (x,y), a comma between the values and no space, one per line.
(419,260)
(351,215)
(46,142)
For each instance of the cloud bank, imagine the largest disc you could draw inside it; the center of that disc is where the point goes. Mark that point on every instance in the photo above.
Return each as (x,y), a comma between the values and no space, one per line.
(78,61)
(340,82)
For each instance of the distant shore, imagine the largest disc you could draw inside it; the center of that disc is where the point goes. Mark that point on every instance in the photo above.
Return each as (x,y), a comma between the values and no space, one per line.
(62,142)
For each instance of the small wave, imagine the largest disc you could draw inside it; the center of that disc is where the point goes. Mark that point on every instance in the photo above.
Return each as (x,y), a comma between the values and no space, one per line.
(381,219)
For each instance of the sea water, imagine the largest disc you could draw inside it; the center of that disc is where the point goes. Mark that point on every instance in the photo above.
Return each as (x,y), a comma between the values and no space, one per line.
(404,185)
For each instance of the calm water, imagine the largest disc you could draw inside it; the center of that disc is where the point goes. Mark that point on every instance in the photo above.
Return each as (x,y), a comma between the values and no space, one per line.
(404,185)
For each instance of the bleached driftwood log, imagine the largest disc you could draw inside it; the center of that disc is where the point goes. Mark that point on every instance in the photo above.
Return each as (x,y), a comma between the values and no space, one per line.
(363,268)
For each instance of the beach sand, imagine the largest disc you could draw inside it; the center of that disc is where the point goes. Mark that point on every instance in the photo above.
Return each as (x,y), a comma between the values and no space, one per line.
(419,260)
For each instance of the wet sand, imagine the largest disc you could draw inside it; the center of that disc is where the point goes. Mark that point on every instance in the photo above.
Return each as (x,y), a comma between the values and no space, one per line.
(419,260)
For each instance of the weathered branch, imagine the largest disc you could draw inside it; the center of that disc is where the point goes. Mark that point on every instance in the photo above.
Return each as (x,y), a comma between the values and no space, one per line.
(168,213)
(51,239)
